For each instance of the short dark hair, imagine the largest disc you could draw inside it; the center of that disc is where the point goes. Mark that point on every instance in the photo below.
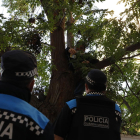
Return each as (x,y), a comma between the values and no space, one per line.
(96,80)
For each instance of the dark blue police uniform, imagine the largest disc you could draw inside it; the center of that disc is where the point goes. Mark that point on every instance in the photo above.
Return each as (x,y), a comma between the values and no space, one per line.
(89,117)
(18,119)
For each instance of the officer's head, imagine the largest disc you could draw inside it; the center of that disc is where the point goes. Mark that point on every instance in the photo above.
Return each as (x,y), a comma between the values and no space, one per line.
(95,81)
(19,68)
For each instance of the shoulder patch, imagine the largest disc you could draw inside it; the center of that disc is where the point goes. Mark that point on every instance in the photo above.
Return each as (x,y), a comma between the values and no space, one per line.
(72,103)
(117,108)
(17,105)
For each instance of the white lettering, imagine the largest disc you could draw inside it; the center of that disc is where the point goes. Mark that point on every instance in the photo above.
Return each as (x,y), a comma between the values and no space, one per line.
(7,131)
(1,125)
(106,121)
(95,119)
(100,120)
(86,117)
(90,119)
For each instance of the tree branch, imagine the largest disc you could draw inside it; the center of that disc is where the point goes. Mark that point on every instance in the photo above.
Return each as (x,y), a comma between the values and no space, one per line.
(130,57)
(131,8)
(95,11)
(126,103)
(126,81)
(111,60)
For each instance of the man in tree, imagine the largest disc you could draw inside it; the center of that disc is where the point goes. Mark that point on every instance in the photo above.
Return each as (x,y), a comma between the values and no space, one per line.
(92,116)
(18,119)
(78,59)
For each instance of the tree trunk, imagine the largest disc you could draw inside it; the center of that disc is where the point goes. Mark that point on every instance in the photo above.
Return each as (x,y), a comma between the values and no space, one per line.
(62,79)
(62,83)
(70,38)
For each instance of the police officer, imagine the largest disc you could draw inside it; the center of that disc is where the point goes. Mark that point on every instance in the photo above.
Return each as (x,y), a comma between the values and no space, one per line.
(18,119)
(90,117)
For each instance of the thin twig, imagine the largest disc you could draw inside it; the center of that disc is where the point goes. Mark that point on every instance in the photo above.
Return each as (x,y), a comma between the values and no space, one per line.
(130,57)
(126,81)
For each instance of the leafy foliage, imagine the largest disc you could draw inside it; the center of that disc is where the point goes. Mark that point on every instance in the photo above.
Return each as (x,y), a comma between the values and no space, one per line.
(105,37)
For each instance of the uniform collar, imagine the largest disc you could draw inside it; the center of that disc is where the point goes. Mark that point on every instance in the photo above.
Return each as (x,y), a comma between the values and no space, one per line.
(22,93)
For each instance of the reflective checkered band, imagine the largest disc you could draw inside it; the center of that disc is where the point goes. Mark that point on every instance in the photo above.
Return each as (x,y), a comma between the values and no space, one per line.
(20,119)
(94,93)
(118,113)
(28,73)
(89,80)
(74,110)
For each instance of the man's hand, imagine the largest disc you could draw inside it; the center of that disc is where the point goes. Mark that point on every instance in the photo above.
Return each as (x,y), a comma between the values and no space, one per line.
(72,51)
(56,137)
(85,61)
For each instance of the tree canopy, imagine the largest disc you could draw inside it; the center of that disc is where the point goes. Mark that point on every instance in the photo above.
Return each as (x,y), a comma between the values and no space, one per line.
(47,27)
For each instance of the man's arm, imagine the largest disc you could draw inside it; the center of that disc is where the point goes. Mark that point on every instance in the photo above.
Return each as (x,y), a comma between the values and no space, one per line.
(90,58)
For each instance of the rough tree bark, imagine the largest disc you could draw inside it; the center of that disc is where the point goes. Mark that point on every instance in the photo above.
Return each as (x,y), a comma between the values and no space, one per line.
(70,38)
